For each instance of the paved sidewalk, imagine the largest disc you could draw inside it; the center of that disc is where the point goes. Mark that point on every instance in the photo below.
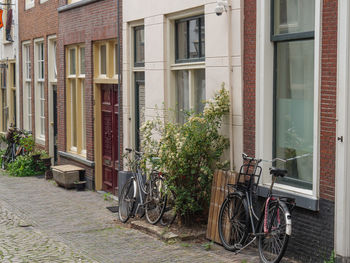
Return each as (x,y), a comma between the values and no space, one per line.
(40,222)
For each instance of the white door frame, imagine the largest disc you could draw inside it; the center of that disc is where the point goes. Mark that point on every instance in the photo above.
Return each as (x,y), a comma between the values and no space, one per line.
(342,180)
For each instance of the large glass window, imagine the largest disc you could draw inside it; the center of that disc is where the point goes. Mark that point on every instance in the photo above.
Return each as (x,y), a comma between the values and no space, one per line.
(293,38)
(190,39)
(139,82)
(76,122)
(139,46)
(40,90)
(27,86)
(190,94)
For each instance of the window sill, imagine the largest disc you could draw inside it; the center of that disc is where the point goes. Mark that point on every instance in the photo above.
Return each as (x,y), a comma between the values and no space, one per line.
(303,201)
(77,158)
(40,140)
(190,65)
(105,81)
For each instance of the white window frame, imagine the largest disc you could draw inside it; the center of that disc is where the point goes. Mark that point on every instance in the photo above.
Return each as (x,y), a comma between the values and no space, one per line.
(29,4)
(264,98)
(52,81)
(39,63)
(27,80)
(173,67)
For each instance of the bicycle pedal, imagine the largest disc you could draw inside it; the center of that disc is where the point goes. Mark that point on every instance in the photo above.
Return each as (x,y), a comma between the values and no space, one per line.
(238,246)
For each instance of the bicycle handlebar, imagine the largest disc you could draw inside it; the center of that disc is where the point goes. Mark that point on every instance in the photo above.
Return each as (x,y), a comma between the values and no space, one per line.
(248,158)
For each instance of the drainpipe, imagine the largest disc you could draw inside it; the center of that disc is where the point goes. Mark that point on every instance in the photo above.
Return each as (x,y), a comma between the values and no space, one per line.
(119,82)
(230,82)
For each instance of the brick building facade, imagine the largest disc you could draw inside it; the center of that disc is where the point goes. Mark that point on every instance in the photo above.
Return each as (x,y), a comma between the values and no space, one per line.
(313,219)
(38,25)
(88,69)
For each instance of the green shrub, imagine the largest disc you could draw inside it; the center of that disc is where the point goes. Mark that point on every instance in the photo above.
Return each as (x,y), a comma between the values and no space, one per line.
(24,166)
(189,154)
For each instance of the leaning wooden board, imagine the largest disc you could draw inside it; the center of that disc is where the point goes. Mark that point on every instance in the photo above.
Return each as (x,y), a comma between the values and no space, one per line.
(218,194)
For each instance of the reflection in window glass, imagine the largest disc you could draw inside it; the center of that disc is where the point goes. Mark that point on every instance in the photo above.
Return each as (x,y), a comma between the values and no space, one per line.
(29,105)
(190,39)
(72,65)
(83,146)
(294,110)
(82,60)
(182,40)
(139,46)
(202,38)
(183,94)
(74,113)
(294,16)
(103,60)
(116,59)
(54,60)
(199,89)
(194,38)
(42,109)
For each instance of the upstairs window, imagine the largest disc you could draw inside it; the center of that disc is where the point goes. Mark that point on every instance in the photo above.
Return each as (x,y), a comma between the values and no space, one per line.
(190,39)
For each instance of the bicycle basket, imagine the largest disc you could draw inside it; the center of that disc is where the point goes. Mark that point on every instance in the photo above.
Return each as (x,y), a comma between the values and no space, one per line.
(249,176)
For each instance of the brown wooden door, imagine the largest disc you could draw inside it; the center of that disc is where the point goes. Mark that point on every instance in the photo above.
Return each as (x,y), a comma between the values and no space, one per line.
(109,111)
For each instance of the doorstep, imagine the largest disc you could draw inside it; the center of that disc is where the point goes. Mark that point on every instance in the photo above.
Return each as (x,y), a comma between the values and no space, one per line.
(164,233)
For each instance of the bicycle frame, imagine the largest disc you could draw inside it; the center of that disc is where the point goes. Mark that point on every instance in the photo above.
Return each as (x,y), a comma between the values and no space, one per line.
(248,187)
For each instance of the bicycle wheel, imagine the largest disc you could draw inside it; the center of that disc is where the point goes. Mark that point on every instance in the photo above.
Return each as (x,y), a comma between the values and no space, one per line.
(233,222)
(155,200)
(273,243)
(127,201)
(170,211)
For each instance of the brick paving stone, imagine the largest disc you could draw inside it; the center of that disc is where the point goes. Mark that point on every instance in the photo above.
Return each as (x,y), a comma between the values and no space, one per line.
(66,225)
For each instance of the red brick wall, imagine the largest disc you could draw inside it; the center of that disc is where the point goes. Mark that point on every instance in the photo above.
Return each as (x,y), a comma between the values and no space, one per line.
(328,98)
(40,21)
(85,24)
(249,76)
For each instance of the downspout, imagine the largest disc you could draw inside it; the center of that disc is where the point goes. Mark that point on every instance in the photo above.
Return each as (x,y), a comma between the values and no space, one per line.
(119,82)
(230,83)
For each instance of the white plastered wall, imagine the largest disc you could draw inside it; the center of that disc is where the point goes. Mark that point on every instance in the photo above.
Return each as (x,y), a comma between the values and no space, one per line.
(223,63)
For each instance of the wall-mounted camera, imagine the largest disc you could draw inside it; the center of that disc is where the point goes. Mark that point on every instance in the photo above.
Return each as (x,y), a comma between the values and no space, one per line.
(221,7)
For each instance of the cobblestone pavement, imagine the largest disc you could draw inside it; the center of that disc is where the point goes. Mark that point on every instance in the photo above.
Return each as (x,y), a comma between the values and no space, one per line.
(40,222)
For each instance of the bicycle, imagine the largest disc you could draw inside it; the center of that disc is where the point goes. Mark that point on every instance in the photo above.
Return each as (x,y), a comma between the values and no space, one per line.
(151,193)
(13,149)
(238,221)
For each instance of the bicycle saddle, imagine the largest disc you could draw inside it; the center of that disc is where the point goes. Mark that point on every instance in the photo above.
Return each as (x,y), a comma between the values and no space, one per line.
(278,172)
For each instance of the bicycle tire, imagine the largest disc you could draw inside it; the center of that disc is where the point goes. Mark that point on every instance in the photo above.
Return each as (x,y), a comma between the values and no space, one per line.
(155,200)
(272,245)
(127,201)
(233,222)
(169,214)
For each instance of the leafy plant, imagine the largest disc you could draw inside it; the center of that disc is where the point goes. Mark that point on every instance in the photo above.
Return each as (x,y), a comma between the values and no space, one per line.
(189,154)
(26,141)
(208,246)
(331,258)
(24,166)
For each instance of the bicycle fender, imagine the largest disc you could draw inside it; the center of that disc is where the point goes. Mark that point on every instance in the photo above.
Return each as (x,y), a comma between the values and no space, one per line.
(135,187)
(288,218)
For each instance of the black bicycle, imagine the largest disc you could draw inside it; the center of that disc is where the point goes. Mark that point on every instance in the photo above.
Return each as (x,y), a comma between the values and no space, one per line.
(150,193)
(239,226)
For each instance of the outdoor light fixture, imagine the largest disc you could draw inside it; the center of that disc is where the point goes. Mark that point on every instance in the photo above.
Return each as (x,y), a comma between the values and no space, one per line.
(221,6)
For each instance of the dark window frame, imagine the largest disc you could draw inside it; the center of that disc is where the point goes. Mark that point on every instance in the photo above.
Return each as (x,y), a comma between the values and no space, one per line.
(188,59)
(279,38)
(138,64)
